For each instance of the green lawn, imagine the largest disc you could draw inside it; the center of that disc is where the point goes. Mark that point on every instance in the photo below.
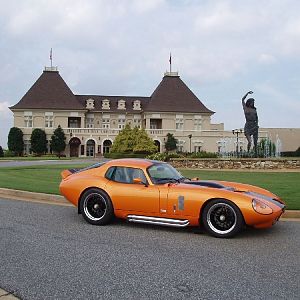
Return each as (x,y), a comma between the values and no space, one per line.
(46,180)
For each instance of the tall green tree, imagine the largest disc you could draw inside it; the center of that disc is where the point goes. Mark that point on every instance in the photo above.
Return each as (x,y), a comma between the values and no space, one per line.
(124,141)
(133,140)
(171,143)
(58,141)
(143,143)
(15,141)
(1,152)
(38,141)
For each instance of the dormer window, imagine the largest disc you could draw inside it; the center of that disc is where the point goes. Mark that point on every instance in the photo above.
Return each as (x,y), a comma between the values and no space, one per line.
(90,103)
(105,104)
(137,105)
(121,104)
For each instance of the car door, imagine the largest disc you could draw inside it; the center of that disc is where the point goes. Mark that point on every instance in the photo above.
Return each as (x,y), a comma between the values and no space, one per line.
(129,196)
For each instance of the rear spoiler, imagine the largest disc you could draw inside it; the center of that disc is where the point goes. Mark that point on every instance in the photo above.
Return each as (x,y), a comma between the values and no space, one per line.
(66,173)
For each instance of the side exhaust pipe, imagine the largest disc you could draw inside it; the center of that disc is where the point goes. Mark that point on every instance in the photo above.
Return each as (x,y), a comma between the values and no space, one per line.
(158,221)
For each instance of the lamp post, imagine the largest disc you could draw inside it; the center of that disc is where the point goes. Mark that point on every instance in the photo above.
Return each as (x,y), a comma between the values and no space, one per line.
(237,132)
(190,137)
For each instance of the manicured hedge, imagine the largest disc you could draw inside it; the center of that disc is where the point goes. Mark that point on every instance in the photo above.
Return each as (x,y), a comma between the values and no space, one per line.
(115,155)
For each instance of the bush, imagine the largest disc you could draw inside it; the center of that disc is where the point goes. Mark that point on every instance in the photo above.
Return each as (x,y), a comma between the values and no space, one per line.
(8,153)
(164,156)
(15,141)
(1,152)
(291,153)
(38,142)
(203,154)
(115,155)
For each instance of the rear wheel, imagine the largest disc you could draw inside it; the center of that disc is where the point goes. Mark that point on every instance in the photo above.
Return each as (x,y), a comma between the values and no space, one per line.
(222,218)
(96,207)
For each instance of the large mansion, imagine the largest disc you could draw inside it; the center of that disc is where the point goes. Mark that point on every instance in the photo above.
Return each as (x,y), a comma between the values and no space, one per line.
(91,122)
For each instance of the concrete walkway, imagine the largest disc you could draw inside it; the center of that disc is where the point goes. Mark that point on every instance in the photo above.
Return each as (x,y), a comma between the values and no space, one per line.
(4,295)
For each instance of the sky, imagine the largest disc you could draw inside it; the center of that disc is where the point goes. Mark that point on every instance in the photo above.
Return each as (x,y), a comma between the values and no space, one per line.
(221,49)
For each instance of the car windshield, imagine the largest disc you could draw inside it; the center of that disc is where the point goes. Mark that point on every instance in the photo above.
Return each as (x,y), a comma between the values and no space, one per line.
(162,173)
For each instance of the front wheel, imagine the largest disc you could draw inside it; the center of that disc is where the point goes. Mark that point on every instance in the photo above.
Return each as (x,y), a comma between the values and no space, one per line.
(96,207)
(222,218)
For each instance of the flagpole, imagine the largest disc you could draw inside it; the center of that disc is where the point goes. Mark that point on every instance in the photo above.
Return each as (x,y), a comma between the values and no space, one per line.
(51,57)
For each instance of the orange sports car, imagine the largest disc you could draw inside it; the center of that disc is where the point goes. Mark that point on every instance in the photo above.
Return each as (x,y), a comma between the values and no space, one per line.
(153,192)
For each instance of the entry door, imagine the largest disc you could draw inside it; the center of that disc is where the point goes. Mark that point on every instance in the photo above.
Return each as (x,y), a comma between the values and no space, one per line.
(74,150)
(90,149)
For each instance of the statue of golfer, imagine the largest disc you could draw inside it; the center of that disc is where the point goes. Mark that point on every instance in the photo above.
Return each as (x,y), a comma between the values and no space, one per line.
(251,125)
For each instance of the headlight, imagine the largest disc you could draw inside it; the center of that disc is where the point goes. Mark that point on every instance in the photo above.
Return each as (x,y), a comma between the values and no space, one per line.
(261,207)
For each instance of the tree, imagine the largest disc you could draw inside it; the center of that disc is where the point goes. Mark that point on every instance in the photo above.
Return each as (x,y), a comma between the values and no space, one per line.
(58,141)
(143,143)
(38,141)
(15,141)
(133,140)
(171,143)
(1,152)
(124,141)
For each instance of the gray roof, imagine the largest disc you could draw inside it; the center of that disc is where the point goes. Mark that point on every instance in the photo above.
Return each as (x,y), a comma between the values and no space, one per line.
(51,92)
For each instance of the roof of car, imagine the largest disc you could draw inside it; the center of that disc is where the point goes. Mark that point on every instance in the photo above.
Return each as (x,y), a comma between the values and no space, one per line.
(132,162)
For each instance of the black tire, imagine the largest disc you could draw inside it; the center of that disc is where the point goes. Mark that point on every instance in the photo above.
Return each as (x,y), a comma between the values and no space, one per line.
(96,207)
(222,218)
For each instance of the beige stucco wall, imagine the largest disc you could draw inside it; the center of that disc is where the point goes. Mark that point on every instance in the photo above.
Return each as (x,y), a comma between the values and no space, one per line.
(208,137)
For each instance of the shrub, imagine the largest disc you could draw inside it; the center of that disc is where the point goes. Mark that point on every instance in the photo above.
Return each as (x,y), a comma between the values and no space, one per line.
(133,140)
(38,141)
(15,141)
(171,143)
(115,155)
(58,141)
(164,156)
(203,154)
(291,153)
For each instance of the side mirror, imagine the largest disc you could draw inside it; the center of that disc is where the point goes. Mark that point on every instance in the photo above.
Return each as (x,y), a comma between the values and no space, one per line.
(139,181)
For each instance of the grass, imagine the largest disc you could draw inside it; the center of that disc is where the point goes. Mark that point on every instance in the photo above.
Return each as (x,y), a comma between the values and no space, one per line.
(46,180)
(30,158)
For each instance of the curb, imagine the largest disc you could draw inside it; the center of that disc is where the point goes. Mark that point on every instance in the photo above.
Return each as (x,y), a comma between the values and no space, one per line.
(6,295)
(60,200)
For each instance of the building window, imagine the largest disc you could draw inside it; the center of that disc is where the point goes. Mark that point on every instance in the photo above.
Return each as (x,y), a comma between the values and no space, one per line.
(179,122)
(155,124)
(137,121)
(137,105)
(180,145)
(105,104)
(74,122)
(28,119)
(90,103)
(121,104)
(89,121)
(121,121)
(197,148)
(27,147)
(106,121)
(197,122)
(49,119)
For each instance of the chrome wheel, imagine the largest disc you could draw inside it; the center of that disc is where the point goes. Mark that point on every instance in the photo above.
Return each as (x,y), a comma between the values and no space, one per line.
(94,206)
(221,218)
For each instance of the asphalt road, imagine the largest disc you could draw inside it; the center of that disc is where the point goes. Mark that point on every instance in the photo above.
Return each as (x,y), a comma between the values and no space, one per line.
(49,252)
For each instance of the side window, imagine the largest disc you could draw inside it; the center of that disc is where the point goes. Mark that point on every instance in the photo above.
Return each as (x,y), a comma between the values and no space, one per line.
(109,173)
(125,175)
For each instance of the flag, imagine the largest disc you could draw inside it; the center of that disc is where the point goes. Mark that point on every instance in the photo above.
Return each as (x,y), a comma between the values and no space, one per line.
(170,59)
(51,54)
